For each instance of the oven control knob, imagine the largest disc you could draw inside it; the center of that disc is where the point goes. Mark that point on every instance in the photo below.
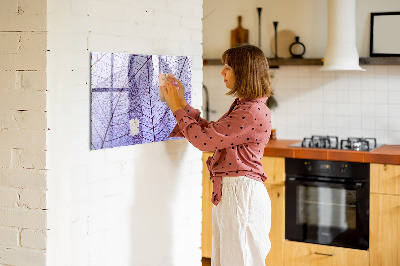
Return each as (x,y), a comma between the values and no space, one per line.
(308,166)
(343,168)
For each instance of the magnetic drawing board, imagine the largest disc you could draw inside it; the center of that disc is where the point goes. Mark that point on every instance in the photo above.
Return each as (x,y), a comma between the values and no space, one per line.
(125,98)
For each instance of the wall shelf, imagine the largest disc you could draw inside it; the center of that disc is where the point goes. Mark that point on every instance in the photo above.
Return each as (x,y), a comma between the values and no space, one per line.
(380,61)
(274,63)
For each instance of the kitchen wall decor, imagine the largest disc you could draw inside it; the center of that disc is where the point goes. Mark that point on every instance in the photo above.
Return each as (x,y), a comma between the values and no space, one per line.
(239,35)
(259,9)
(297,49)
(125,98)
(276,38)
(384,37)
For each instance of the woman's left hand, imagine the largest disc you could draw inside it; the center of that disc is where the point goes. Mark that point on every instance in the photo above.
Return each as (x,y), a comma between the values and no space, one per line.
(170,90)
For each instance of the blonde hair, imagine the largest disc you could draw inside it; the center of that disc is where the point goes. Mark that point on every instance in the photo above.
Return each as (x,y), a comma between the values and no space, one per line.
(250,66)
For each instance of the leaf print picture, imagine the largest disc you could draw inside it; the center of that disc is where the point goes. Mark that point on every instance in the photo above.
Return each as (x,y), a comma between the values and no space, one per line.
(126,108)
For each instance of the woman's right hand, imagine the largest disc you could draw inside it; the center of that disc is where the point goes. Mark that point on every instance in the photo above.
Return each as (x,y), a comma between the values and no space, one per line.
(181,91)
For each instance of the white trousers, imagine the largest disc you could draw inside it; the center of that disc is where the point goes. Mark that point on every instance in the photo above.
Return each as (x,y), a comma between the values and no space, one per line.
(241,223)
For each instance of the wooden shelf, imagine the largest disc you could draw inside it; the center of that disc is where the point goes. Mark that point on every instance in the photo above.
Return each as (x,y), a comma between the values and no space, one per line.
(273,63)
(380,61)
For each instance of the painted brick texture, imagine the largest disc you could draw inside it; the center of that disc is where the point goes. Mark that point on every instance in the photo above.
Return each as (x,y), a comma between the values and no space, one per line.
(136,205)
(93,199)
(23,132)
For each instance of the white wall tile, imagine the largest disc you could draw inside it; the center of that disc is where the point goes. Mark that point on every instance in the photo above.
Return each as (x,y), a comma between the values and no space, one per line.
(381,136)
(368,123)
(367,96)
(394,137)
(329,109)
(292,82)
(381,122)
(342,109)
(367,110)
(381,97)
(351,102)
(394,97)
(354,80)
(291,71)
(342,122)
(381,110)
(381,83)
(394,110)
(394,123)
(380,71)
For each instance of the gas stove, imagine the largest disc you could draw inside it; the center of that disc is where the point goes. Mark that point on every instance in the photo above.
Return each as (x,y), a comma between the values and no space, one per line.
(332,142)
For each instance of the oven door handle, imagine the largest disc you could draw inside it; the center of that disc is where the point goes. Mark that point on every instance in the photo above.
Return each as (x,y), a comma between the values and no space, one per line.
(357,185)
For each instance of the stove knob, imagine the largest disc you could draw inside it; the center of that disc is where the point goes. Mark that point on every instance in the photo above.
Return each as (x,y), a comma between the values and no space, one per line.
(308,166)
(343,168)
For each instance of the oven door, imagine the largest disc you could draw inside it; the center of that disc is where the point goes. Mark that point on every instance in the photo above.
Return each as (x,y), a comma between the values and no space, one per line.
(327,213)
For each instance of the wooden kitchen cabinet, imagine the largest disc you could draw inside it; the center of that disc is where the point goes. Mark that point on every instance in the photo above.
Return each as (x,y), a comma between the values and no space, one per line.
(385,178)
(385,215)
(384,236)
(206,225)
(277,233)
(305,254)
(274,168)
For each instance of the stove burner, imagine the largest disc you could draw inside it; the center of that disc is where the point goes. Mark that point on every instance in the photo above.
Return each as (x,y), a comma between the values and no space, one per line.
(332,142)
(328,142)
(358,144)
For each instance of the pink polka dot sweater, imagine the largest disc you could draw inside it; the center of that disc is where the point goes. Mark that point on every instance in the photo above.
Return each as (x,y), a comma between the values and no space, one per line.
(238,139)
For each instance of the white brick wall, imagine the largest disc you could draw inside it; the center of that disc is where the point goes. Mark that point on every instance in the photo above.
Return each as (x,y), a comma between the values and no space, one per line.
(136,205)
(23,132)
(33,239)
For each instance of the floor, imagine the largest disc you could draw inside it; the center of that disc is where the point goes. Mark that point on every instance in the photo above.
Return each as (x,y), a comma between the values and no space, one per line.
(206,261)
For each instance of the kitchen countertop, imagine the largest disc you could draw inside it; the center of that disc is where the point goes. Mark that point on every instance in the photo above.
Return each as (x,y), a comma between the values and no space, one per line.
(389,154)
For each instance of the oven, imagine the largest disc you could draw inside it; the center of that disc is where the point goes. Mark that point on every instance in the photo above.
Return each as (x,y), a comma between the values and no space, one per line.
(327,202)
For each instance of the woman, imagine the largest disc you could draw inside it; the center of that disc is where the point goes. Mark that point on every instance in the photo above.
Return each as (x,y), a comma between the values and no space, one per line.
(242,208)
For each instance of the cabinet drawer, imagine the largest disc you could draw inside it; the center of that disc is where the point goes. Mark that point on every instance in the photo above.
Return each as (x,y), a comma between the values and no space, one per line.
(304,254)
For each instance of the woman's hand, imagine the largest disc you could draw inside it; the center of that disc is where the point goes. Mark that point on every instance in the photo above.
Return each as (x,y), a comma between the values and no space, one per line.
(181,92)
(173,91)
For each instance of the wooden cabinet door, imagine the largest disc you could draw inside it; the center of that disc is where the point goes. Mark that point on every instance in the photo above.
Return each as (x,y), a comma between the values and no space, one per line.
(384,237)
(304,254)
(277,233)
(274,168)
(206,226)
(385,178)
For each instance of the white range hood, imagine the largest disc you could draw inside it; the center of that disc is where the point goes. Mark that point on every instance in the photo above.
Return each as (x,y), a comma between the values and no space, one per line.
(341,51)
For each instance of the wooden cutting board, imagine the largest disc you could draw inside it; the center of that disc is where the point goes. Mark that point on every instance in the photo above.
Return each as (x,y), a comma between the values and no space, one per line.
(239,35)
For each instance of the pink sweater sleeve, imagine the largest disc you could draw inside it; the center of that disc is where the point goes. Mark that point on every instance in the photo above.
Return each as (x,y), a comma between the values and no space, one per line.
(233,129)
(193,113)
